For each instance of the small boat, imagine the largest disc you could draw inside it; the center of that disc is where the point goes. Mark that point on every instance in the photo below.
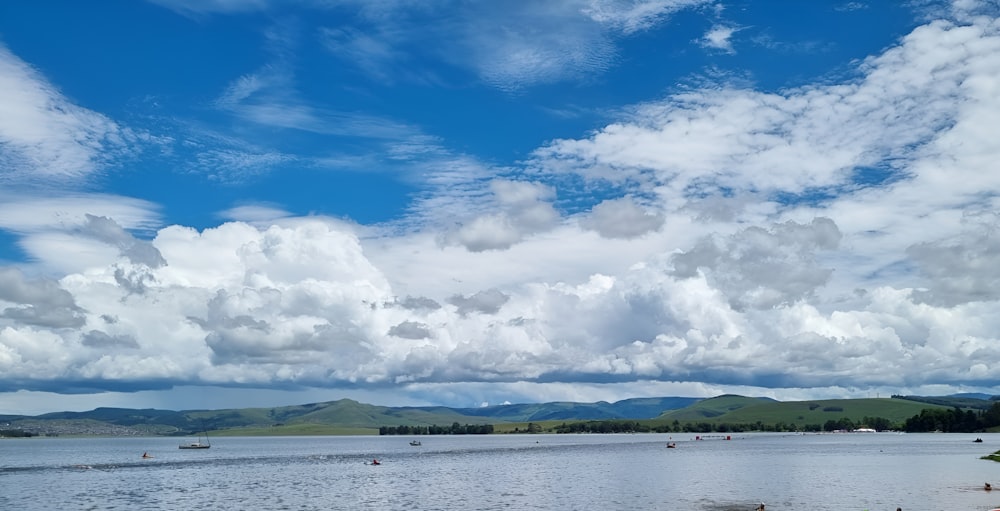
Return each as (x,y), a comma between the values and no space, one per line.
(978,440)
(198,444)
(671,445)
(415,443)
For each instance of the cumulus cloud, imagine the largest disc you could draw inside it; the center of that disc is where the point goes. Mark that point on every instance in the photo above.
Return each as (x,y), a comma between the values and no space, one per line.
(523,209)
(827,237)
(799,142)
(135,250)
(419,303)
(100,340)
(71,233)
(39,302)
(411,330)
(621,218)
(761,268)
(965,269)
(486,302)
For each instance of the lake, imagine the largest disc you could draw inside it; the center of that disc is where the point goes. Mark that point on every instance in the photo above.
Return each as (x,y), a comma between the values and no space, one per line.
(846,471)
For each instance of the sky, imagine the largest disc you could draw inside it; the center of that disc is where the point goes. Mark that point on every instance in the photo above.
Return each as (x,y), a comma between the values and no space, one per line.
(212,204)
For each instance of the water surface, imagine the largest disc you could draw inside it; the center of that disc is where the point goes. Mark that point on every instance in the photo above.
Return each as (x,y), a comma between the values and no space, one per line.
(505,472)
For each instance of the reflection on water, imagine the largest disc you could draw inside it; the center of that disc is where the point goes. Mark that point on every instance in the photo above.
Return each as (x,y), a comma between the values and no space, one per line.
(541,472)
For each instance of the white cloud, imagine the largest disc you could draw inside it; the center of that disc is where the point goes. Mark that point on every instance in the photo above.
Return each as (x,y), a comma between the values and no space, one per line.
(631,16)
(255,213)
(509,46)
(71,233)
(46,138)
(719,37)
(750,249)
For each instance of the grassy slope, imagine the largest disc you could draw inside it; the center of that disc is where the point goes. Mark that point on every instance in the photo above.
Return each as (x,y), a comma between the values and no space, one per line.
(297,430)
(344,414)
(351,417)
(743,410)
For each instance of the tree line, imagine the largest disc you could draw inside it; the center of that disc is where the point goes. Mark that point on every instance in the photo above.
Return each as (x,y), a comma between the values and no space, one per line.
(618,426)
(15,433)
(434,429)
(953,420)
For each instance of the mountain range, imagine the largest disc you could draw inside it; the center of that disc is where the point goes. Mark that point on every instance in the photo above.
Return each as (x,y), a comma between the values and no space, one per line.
(346,416)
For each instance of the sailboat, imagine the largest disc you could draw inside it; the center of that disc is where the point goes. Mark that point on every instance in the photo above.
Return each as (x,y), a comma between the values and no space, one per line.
(197,444)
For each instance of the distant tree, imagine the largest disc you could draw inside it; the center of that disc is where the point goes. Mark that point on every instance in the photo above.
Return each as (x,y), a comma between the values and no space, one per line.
(991,417)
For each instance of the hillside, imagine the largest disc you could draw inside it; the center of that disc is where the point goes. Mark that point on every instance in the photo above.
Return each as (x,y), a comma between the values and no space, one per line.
(712,408)
(346,416)
(333,417)
(639,408)
(744,410)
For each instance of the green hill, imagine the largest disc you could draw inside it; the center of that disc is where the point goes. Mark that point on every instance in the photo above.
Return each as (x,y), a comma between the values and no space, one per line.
(346,416)
(745,410)
(636,408)
(713,408)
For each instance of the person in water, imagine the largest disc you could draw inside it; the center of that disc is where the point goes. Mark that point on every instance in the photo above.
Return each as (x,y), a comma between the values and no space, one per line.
(987,487)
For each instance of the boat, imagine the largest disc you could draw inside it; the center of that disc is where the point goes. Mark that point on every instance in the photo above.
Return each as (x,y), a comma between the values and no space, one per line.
(671,445)
(978,440)
(197,444)
(415,443)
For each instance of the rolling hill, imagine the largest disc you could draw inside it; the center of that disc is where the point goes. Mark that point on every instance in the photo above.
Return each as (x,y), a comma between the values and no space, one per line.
(346,416)
(746,410)
(639,408)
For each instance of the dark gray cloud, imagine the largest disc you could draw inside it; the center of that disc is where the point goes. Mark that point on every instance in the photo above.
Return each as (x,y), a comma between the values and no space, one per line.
(415,303)
(961,271)
(486,302)
(762,268)
(134,279)
(39,302)
(98,339)
(108,231)
(411,330)
(622,218)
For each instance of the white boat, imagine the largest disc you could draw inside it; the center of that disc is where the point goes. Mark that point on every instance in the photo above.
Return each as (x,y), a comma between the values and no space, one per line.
(415,442)
(198,444)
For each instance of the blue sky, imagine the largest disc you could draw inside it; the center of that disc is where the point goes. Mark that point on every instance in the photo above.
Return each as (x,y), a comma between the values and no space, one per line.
(207,204)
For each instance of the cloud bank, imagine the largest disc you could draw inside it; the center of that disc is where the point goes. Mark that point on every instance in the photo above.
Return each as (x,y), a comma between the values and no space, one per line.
(825,238)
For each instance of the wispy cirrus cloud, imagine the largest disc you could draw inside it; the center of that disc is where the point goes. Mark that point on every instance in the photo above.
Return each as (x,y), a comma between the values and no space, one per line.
(45,137)
(204,7)
(508,45)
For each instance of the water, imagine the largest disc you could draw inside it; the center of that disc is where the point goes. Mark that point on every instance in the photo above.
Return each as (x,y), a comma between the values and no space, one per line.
(505,472)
